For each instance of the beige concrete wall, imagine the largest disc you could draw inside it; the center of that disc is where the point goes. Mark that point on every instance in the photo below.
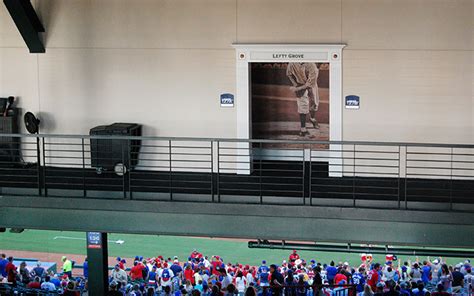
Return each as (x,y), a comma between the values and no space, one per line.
(164,63)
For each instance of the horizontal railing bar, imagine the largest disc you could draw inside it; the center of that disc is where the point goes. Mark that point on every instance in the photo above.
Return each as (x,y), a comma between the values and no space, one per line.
(440,153)
(444,161)
(230,140)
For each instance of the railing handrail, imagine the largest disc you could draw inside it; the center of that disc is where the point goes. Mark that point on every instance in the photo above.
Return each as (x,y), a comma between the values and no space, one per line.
(241,140)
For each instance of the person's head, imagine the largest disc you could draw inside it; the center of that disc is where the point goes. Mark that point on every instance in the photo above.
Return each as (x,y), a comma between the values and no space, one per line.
(444,269)
(150,291)
(196,293)
(404,285)
(47,278)
(70,286)
(231,289)
(317,268)
(250,291)
(23,264)
(216,289)
(416,266)
(440,287)
(294,251)
(389,269)
(37,279)
(361,269)
(10,259)
(377,266)
(113,286)
(240,274)
(368,290)
(380,287)
(332,263)
(391,284)
(273,268)
(63,258)
(420,285)
(3,256)
(167,289)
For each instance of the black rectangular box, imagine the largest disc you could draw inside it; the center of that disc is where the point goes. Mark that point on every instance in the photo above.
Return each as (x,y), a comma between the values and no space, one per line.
(107,153)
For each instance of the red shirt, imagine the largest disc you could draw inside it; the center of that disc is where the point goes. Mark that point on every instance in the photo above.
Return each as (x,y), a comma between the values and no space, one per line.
(373,279)
(34,285)
(293,257)
(10,268)
(189,275)
(136,272)
(215,264)
(339,277)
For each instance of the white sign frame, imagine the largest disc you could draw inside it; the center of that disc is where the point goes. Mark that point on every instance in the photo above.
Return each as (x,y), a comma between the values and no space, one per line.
(268,53)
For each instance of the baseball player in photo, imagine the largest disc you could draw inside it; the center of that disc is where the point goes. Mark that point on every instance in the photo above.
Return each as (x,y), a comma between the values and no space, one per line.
(304,77)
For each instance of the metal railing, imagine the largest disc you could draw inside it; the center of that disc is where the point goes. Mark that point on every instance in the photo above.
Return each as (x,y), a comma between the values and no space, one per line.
(342,173)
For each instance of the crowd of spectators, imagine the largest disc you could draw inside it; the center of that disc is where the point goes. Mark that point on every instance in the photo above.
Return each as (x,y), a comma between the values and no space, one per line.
(38,278)
(211,276)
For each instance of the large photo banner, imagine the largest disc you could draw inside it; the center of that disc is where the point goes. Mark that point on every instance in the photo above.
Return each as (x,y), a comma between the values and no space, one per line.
(290,101)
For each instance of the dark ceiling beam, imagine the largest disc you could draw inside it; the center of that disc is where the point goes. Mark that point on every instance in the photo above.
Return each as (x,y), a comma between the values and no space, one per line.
(27,22)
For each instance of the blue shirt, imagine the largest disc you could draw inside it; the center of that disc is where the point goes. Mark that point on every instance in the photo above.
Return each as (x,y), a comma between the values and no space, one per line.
(3,264)
(263,273)
(176,269)
(86,269)
(39,271)
(56,282)
(331,272)
(165,274)
(358,280)
(425,274)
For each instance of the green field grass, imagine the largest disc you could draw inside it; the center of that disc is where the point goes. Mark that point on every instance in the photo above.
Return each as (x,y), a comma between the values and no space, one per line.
(168,246)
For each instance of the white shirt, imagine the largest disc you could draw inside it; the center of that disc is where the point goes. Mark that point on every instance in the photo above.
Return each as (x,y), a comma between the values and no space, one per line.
(227,280)
(241,284)
(48,286)
(250,278)
(119,276)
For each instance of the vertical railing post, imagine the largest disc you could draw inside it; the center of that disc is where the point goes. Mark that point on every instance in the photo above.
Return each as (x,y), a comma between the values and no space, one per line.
(38,161)
(124,183)
(304,175)
(451,182)
(212,170)
(353,173)
(171,170)
(310,189)
(218,173)
(44,169)
(406,178)
(260,170)
(84,192)
(129,176)
(398,181)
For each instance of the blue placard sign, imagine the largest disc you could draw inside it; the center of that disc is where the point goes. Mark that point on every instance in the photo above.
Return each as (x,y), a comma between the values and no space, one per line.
(227,100)
(352,102)
(94,240)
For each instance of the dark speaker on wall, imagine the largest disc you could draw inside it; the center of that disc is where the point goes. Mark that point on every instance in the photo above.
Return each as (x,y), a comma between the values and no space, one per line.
(9,146)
